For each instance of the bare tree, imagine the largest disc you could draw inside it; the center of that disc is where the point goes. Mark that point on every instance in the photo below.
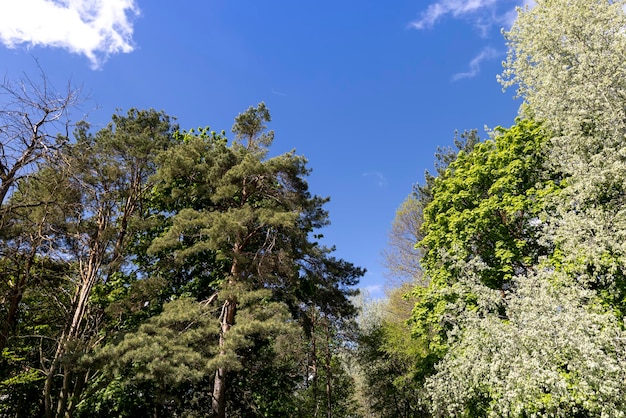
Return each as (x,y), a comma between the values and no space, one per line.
(401,257)
(32,115)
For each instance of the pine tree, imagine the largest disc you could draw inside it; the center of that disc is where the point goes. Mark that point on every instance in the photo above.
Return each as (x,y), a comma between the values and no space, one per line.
(253,216)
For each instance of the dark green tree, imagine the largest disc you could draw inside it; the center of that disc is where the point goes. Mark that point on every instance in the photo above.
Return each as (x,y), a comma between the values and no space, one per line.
(232,228)
(393,364)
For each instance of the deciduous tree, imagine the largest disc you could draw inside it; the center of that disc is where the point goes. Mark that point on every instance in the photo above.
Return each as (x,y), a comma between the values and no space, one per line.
(566,59)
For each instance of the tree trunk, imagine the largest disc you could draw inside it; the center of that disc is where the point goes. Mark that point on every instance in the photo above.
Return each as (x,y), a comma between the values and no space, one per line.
(329,404)
(227,319)
(219,385)
(88,278)
(72,332)
(313,361)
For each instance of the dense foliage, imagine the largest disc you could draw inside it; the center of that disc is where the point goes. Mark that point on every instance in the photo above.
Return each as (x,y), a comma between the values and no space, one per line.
(151,271)
(521,238)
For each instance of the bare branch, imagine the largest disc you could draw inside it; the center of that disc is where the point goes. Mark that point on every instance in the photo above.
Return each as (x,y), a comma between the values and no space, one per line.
(34,120)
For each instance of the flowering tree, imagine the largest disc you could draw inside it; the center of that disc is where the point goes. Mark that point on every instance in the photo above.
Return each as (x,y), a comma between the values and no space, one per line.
(555,352)
(551,343)
(567,60)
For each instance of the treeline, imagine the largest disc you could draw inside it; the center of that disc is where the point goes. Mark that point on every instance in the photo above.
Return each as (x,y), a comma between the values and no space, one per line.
(151,271)
(514,301)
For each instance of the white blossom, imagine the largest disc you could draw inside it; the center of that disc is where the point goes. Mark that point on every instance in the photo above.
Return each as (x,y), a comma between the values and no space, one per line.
(554,353)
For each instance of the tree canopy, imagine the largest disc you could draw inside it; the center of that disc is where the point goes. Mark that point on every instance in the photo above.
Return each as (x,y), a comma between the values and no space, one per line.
(152,271)
(158,269)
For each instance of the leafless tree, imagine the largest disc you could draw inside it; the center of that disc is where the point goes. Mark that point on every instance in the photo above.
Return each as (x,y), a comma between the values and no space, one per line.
(34,118)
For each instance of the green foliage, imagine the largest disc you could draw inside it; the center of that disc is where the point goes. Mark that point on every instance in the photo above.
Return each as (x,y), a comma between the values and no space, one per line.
(270,372)
(169,348)
(250,129)
(445,156)
(313,400)
(393,364)
(226,194)
(487,206)
(327,386)
(228,229)
(21,391)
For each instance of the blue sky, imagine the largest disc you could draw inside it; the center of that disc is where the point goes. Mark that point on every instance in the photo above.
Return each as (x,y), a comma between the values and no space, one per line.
(366,90)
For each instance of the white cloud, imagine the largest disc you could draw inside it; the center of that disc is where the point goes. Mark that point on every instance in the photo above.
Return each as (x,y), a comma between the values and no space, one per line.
(456,8)
(474,65)
(93,28)
(278,93)
(484,14)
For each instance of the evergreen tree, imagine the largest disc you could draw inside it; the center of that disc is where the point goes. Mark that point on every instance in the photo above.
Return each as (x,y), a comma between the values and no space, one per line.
(233,230)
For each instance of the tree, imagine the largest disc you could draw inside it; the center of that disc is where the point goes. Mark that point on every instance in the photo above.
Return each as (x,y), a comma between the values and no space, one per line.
(92,189)
(567,61)
(31,116)
(401,257)
(391,363)
(27,260)
(68,231)
(558,324)
(168,350)
(139,240)
(173,354)
(251,217)
(488,206)
(555,352)
(329,386)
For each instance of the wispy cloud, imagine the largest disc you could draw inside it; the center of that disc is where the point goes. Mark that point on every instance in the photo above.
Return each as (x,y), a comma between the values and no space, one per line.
(483,14)
(278,93)
(379,177)
(96,29)
(474,65)
(456,8)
